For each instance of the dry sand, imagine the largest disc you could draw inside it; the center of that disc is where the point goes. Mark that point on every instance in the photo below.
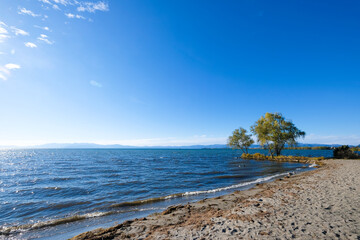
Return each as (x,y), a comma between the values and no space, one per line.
(322,204)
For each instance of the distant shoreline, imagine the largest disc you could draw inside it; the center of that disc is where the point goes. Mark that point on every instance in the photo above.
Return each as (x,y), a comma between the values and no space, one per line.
(300,146)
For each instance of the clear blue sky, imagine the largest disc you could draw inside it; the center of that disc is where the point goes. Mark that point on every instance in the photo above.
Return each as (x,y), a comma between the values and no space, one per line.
(176,72)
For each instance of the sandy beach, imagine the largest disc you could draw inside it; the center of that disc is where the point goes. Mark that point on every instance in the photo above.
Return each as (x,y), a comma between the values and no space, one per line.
(321,204)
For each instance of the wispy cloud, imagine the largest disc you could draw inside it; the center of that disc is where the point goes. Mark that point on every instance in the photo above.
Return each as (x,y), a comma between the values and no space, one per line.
(55,3)
(5,71)
(43,28)
(30,45)
(45,38)
(18,31)
(2,76)
(45,1)
(3,32)
(56,7)
(3,37)
(95,83)
(70,15)
(12,66)
(25,11)
(64,2)
(92,7)
(71,9)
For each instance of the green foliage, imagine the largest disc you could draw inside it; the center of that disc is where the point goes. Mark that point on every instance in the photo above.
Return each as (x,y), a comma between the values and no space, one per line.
(344,152)
(240,140)
(273,132)
(259,156)
(355,149)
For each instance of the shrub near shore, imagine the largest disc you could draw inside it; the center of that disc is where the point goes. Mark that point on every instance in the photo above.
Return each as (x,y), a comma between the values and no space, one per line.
(281,158)
(345,152)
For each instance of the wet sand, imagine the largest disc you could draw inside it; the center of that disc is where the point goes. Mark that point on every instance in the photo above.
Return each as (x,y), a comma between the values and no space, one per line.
(321,204)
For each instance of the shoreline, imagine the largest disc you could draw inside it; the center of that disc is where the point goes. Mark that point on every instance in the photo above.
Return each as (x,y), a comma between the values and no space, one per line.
(84,222)
(300,206)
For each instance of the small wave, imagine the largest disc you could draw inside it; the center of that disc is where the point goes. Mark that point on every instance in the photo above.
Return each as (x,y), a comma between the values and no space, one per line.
(115,183)
(62,178)
(313,165)
(211,173)
(259,180)
(62,205)
(202,173)
(229,176)
(186,173)
(53,188)
(50,223)
(176,195)
(26,227)
(146,201)
(160,168)
(37,189)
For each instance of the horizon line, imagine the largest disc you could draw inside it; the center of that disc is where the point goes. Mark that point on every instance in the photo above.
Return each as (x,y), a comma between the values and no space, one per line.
(220,145)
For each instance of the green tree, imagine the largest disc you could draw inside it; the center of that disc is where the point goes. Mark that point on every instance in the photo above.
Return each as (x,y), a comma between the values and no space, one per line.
(273,132)
(240,140)
(345,152)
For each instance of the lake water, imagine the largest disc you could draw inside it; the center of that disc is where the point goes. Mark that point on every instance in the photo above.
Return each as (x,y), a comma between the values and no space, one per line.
(58,193)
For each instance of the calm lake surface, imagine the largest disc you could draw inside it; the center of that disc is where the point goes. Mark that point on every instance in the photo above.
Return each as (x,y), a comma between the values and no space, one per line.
(88,188)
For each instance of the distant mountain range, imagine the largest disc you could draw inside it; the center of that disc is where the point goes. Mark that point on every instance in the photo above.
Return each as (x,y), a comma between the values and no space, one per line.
(93,145)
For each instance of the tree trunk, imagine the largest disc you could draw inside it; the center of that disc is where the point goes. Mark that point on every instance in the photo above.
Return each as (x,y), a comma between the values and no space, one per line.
(278,152)
(279,149)
(271,153)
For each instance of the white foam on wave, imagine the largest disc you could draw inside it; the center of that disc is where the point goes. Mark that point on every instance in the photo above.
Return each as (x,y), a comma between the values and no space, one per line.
(150,209)
(95,214)
(259,180)
(313,165)
(49,223)
(26,227)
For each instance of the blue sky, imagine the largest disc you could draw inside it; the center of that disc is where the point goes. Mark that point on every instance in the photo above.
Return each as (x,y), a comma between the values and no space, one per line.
(176,72)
